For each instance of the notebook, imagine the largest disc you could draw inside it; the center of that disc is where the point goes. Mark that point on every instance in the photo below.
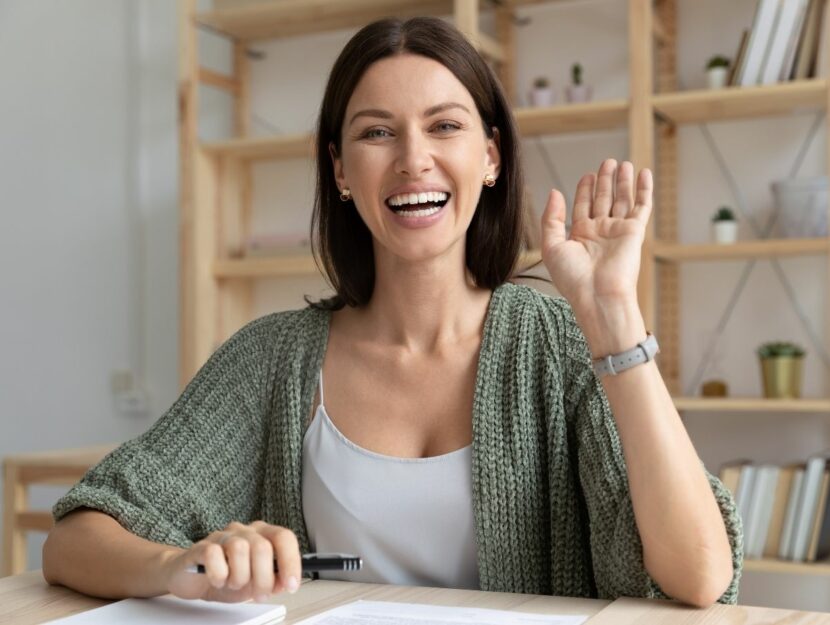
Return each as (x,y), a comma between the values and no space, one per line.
(170,610)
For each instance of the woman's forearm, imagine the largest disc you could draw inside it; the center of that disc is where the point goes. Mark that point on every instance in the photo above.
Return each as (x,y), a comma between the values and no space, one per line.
(92,553)
(685,546)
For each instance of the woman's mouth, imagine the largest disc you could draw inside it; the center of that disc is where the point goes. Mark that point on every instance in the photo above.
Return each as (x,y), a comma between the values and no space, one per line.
(418,204)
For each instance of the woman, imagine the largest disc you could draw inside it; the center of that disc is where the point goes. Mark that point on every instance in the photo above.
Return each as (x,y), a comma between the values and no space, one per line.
(441,422)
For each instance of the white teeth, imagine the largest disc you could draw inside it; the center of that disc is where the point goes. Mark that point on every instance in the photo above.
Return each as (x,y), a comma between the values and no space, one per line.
(417,198)
(423,212)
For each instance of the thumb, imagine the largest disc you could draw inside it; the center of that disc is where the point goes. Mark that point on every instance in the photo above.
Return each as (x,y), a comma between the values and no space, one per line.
(553,221)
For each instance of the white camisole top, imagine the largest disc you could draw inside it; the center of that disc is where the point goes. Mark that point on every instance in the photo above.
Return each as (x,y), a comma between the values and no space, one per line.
(409,519)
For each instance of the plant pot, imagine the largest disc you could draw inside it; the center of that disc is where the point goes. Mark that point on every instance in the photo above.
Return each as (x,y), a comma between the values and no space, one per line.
(578,93)
(782,377)
(541,96)
(716,77)
(725,232)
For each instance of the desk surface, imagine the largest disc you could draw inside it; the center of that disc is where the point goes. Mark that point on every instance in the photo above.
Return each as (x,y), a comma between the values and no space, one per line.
(26,599)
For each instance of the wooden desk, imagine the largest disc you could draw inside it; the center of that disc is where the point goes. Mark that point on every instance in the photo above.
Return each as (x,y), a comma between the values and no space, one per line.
(26,599)
(65,466)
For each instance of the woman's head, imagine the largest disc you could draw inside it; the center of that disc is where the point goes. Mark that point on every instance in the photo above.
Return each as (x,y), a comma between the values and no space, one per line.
(411,107)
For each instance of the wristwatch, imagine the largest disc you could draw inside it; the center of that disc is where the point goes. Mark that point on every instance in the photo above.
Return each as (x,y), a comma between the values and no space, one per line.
(637,355)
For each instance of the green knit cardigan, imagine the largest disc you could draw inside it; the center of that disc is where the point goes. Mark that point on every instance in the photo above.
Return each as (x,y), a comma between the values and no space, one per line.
(550,490)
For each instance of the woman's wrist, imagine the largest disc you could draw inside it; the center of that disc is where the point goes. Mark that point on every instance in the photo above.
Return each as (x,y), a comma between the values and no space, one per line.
(612,327)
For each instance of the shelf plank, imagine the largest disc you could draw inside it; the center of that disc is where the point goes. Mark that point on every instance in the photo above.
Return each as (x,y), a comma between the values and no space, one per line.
(750,404)
(708,105)
(287,18)
(767,565)
(604,115)
(265,267)
(264,148)
(676,252)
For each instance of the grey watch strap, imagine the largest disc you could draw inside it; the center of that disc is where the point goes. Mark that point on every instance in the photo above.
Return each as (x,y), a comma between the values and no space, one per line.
(615,363)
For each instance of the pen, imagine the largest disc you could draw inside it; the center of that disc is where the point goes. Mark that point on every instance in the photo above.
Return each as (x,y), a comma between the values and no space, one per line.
(313,562)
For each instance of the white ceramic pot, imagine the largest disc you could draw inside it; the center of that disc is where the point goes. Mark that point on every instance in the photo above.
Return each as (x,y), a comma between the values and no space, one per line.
(717,76)
(578,93)
(543,96)
(725,231)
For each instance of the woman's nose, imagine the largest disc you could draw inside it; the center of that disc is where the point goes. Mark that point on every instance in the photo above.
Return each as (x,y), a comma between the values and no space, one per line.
(414,156)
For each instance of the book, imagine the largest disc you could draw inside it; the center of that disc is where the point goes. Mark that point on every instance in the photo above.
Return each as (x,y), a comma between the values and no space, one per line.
(820,67)
(821,513)
(782,30)
(745,489)
(796,33)
(763,493)
(785,549)
(779,509)
(766,13)
(807,505)
(808,45)
(174,611)
(740,55)
(730,474)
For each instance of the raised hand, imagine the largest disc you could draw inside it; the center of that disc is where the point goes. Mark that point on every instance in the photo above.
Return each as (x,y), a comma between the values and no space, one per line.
(599,262)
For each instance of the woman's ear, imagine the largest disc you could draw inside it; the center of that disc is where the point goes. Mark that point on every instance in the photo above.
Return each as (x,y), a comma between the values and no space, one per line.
(337,164)
(493,158)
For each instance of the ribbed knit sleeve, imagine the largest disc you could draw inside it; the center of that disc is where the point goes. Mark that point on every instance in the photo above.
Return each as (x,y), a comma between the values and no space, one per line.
(200,465)
(616,546)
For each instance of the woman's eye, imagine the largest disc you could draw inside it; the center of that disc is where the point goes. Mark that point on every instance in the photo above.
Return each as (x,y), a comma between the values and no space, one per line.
(374,133)
(447,126)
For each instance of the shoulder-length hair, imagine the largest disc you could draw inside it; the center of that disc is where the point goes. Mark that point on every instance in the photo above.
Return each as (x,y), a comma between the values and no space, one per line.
(341,242)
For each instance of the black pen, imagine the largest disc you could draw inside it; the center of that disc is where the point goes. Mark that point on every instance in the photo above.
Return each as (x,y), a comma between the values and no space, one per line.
(313,563)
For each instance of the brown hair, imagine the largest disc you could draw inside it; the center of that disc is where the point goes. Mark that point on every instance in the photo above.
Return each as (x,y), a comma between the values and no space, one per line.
(341,242)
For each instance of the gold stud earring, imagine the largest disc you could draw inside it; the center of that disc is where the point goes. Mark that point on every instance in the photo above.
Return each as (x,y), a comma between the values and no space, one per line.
(490,180)
(345,195)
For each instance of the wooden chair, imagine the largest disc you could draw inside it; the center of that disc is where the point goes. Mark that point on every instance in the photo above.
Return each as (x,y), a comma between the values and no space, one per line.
(65,466)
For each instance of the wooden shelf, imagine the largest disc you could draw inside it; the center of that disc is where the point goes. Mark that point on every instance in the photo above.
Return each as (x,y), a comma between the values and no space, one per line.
(750,404)
(767,565)
(264,148)
(709,105)
(606,115)
(677,252)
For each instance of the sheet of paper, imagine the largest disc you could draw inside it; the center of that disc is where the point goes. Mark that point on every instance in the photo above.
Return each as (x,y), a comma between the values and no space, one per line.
(170,610)
(391,613)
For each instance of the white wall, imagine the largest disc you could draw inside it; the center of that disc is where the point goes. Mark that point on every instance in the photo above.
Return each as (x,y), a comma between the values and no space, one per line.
(111,161)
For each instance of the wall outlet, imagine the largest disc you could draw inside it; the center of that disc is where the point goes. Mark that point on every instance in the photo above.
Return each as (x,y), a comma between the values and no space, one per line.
(131,399)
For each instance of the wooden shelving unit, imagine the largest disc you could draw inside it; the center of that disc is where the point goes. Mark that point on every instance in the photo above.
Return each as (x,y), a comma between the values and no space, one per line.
(216,185)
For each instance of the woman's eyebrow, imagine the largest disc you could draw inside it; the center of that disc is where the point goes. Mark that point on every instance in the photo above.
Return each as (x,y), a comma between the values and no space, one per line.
(432,110)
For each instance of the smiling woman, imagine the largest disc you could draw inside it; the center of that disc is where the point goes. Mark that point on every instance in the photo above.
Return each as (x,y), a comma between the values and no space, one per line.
(470,434)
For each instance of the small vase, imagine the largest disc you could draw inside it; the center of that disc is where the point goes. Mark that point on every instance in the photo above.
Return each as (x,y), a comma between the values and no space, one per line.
(716,77)
(725,232)
(578,93)
(782,377)
(541,96)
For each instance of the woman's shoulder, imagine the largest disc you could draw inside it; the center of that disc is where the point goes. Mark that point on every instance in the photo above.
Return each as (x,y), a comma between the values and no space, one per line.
(298,326)
(523,302)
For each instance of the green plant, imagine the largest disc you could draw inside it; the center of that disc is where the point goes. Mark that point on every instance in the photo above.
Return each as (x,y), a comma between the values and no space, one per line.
(775,349)
(717,61)
(541,83)
(576,74)
(724,213)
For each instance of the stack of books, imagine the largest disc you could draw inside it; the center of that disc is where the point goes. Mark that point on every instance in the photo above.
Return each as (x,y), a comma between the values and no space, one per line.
(785,509)
(787,41)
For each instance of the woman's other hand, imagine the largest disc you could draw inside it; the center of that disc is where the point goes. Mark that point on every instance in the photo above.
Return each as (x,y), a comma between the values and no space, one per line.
(239,564)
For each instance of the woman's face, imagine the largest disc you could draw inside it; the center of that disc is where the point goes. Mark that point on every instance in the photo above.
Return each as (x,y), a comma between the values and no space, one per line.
(414,155)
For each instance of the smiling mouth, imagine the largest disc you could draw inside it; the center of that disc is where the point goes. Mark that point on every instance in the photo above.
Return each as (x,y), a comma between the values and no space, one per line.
(420,209)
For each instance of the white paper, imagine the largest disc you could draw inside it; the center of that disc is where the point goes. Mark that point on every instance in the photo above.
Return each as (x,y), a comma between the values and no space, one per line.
(170,610)
(391,613)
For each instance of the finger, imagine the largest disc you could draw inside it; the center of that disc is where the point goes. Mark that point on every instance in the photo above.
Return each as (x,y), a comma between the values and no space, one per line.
(605,189)
(238,554)
(216,567)
(584,197)
(553,220)
(624,199)
(287,551)
(645,192)
(262,567)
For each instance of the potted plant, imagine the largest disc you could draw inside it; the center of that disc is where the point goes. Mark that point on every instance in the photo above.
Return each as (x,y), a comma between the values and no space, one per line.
(724,226)
(781,369)
(542,92)
(717,71)
(576,91)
